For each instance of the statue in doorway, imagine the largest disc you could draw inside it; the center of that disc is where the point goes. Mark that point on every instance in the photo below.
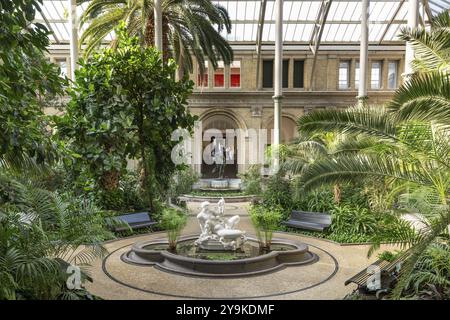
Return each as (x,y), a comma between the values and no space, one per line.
(220,154)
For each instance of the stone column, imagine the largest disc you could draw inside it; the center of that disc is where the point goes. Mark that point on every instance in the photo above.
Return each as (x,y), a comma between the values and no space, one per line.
(363,53)
(278,85)
(413,22)
(158,25)
(73,26)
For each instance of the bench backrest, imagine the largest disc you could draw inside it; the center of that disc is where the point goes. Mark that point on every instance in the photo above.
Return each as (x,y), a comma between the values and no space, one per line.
(322,218)
(135,217)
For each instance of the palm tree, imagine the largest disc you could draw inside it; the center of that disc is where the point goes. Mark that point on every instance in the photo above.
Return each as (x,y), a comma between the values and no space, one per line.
(411,139)
(190,28)
(412,155)
(308,149)
(426,96)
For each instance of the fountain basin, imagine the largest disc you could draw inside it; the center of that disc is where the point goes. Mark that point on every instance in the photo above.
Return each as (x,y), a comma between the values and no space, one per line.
(193,261)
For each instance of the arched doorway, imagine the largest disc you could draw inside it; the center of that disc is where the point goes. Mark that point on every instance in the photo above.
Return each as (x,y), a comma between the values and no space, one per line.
(288,130)
(214,133)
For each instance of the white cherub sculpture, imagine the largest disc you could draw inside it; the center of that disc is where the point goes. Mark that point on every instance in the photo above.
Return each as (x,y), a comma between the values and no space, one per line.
(214,227)
(221,207)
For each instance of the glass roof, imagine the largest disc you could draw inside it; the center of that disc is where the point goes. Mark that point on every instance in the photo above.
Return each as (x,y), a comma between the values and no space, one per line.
(342,25)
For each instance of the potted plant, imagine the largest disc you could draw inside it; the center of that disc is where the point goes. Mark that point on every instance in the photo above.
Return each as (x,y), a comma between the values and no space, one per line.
(265,220)
(173,221)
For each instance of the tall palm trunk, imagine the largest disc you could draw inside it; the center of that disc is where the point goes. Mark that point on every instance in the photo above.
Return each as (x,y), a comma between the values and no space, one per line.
(150,35)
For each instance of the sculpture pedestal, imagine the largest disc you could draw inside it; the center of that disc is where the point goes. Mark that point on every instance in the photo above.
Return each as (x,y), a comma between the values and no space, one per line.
(213,245)
(219,184)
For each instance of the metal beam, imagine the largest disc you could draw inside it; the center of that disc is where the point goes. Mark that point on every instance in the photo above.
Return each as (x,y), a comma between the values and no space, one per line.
(315,21)
(73,37)
(392,19)
(316,35)
(426,5)
(262,13)
(46,21)
(413,22)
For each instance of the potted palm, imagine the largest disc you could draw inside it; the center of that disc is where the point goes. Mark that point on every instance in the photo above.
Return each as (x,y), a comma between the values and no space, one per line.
(173,221)
(265,220)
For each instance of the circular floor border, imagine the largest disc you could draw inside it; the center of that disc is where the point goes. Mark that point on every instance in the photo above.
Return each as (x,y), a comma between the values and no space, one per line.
(109,275)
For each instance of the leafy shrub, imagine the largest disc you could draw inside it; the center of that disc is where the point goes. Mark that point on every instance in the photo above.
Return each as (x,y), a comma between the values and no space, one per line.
(38,230)
(265,220)
(318,200)
(182,182)
(278,194)
(431,276)
(173,221)
(353,224)
(127,197)
(353,220)
(387,256)
(252,180)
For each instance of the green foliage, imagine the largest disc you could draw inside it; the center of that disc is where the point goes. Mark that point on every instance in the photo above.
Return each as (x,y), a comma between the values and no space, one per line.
(278,194)
(353,220)
(126,198)
(182,182)
(39,230)
(317,200)
(173,221)
(252,180)
(26,81)
(352,223)
(266,221)
(125,105)
(430,278)
(387,256)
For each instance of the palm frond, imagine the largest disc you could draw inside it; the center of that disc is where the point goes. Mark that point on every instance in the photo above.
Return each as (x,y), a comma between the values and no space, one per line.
(425,97)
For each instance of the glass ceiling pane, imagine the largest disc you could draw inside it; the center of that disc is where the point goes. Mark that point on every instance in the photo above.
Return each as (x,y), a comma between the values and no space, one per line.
(299,18)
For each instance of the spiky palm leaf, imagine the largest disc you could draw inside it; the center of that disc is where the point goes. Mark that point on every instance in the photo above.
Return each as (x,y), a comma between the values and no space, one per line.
(55,228)
(431,48)
(425,97)
(190,28)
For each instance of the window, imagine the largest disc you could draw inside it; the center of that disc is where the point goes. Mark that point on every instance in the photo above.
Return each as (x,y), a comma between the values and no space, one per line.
(285,73)
(202,80)
(62,64)
(392,74)
(268,74)
(219,76)
(344,73)
(357,75)
(235,74)
(299,69)
(375,75)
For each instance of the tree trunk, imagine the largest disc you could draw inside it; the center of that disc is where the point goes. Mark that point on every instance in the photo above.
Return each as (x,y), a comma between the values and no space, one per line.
(149,35)
(337,193)
(110,180)
(165,31)
(145,172)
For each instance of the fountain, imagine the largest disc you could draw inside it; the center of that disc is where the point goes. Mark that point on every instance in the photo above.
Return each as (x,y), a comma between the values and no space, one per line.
(221,250)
